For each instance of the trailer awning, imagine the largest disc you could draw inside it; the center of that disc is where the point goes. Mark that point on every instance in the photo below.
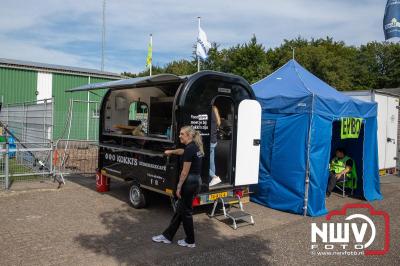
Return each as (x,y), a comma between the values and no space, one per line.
(129,83)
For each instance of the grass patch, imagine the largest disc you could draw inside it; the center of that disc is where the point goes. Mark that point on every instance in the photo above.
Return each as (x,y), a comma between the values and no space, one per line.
(16,168)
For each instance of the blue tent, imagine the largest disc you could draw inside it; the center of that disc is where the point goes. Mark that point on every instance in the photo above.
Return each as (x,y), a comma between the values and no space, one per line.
(300,132)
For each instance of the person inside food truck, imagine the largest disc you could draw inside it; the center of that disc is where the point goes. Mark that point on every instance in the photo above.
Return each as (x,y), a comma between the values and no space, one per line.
(188,187)
(215,124)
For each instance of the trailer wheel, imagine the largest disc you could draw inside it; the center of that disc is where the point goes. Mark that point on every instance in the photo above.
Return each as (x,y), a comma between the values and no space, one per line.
(137,197)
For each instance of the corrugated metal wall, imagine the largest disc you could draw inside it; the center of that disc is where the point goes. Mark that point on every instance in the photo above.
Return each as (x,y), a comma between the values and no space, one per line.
(62,82)
(17,85)
(81,127)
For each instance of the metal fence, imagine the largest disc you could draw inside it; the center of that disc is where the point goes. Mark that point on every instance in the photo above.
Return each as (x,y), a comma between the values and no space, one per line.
(398,142)
(74,157)
(29,121)
(75,153)
(26,148)
(82,121)
(25,162)
(29,152)
(3,167)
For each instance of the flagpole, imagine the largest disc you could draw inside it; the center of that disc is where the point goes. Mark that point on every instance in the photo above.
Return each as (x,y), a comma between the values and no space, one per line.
(103,36)
(198,58)
(151,44)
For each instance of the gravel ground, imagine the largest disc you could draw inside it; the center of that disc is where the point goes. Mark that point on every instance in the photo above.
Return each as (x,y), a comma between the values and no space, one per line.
(77,225)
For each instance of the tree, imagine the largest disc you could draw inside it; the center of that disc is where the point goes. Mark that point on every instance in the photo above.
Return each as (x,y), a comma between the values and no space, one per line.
(329,60)
(374,65)
(155,70)
(181,67)
(248,60)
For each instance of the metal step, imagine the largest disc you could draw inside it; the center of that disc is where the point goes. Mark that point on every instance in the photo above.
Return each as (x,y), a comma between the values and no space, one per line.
(220,186)
(235,216)
(231,200)
(238,215)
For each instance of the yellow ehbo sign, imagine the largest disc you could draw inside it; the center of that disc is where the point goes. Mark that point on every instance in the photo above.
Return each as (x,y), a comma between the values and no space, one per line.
(350,127)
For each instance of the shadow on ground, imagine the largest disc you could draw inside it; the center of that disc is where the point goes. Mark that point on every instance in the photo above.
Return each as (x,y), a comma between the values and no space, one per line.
(120,190)
(128,240)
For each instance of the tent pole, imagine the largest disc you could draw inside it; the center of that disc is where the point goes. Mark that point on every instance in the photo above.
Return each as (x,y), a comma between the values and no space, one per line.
(307,181)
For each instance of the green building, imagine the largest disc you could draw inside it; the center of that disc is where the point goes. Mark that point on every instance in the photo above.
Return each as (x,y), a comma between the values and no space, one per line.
(22,81)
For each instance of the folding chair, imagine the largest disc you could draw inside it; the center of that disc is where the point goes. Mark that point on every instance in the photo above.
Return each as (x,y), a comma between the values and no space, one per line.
(348,181)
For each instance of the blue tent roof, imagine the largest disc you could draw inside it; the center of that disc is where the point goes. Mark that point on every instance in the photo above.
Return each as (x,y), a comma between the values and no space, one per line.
(292,89)
(298,138)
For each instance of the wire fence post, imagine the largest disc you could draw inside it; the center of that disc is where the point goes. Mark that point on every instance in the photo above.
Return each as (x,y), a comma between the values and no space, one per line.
(44,119)
(8,110)
(6,166)
(51,157)
(52,113)
(24,125)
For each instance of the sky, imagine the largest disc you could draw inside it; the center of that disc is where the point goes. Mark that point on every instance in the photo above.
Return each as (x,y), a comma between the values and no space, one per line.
(68,32)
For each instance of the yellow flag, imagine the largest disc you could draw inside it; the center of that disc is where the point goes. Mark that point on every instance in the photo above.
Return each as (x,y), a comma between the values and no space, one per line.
(149,54)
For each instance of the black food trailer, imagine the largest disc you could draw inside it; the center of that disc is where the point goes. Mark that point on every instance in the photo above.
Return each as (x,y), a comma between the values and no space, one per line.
(140,118)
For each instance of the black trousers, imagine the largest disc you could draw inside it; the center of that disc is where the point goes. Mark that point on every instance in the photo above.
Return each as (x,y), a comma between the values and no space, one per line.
(184,210)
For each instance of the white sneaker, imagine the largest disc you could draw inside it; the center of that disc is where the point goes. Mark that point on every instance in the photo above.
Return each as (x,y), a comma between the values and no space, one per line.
(161,239)
(214,181)
(183,243)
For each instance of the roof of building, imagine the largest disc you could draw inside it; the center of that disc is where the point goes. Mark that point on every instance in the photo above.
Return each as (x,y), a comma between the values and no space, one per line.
(11,63)
(391,91)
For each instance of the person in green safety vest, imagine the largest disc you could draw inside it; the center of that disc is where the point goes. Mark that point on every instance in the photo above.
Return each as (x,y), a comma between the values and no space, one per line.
(340,165)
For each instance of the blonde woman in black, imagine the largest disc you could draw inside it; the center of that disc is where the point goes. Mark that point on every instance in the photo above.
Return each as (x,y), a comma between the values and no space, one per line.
(188,187)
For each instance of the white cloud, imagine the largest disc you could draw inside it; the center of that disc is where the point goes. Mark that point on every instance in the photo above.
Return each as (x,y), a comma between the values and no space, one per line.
(32,52)
(69,31)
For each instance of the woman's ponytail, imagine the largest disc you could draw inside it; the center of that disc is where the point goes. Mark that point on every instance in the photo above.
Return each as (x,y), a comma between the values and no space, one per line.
(199,142)
(196,138)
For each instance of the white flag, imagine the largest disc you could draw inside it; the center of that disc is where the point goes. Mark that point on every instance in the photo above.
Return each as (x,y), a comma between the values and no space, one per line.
(203,45)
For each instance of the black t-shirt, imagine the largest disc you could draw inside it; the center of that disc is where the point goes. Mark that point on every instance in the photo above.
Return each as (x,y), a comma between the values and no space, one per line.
(192,154)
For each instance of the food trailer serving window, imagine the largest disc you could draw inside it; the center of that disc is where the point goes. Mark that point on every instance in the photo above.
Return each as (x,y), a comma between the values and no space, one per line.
(140,112)
(160,119)
(138,117)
